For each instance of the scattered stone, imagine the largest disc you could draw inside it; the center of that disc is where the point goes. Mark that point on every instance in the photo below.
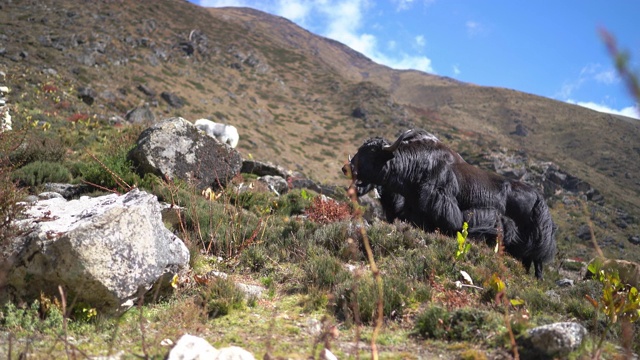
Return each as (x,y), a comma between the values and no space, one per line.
(140,115)
(584,232)
(87,95)
(521,130)
(251,291)
(634,239)
(557,340)
(191,347)
(146,90)
(564,282)
(68,191)
(172,99)
(276,184)
(265,168)
(326,354)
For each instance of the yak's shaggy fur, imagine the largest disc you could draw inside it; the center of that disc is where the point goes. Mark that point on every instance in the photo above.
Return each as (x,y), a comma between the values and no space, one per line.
(424,182)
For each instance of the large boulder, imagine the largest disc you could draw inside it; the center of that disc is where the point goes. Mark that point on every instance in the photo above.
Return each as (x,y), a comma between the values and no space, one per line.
(103,251)
(174,148)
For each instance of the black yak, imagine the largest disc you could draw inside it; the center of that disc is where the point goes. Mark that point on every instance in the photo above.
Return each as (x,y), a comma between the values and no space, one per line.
(424,182)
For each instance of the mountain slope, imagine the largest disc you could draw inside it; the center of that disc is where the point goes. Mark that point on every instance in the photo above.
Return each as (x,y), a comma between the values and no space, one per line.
(602,148)
(300,100)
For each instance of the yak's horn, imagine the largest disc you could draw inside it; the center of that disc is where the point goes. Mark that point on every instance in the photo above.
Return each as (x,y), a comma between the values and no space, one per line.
(394,146)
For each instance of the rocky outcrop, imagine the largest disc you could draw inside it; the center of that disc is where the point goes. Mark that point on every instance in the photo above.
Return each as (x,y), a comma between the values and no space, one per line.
(104,251)
(547,176)
(175,149)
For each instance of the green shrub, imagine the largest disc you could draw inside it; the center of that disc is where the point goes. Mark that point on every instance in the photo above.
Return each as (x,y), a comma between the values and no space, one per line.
(465,324)
(358,298)
(323,270)
(287,241)
(431,323)
(340,238)
(38,146)
(31,318)
(294,202)
(221,296)
(102,175)
(254,258)
(414,264)
(40,172)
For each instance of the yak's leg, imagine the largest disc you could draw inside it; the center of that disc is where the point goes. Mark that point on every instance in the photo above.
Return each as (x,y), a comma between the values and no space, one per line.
(538,269)
(439,211)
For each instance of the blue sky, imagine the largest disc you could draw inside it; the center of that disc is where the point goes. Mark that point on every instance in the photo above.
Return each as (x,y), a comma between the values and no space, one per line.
(550,48)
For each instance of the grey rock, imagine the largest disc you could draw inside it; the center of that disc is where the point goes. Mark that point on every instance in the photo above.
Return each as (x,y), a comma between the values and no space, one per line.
(265,168)
(146,90)
(68,191)
(174,148)
(521,130)
(103,251)
(49,195)
(87,95)
(140,115)
(564,283)
(276,184)
(251,291)
(172,99)
(634,239)
(583,232)
(557,339)
(191,347)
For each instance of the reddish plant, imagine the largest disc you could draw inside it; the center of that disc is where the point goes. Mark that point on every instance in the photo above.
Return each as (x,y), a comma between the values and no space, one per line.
(49,88)
(78,117)
(324,210)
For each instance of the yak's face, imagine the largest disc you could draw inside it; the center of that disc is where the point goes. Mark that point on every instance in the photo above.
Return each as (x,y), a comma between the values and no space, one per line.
(366,166)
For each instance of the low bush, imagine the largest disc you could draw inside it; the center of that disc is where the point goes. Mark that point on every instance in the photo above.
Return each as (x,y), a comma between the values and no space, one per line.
(38,146)
(222,296)
(40,172)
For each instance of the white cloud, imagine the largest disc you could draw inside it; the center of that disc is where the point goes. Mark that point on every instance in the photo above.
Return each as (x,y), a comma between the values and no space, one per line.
(294,10)
(419,41)
(402,5)
(607,77)
(456,70)
(222,3)
(630,111)
(407,62)
(473,28)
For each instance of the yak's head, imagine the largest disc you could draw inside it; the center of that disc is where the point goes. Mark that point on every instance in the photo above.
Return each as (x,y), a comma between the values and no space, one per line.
(366,168)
